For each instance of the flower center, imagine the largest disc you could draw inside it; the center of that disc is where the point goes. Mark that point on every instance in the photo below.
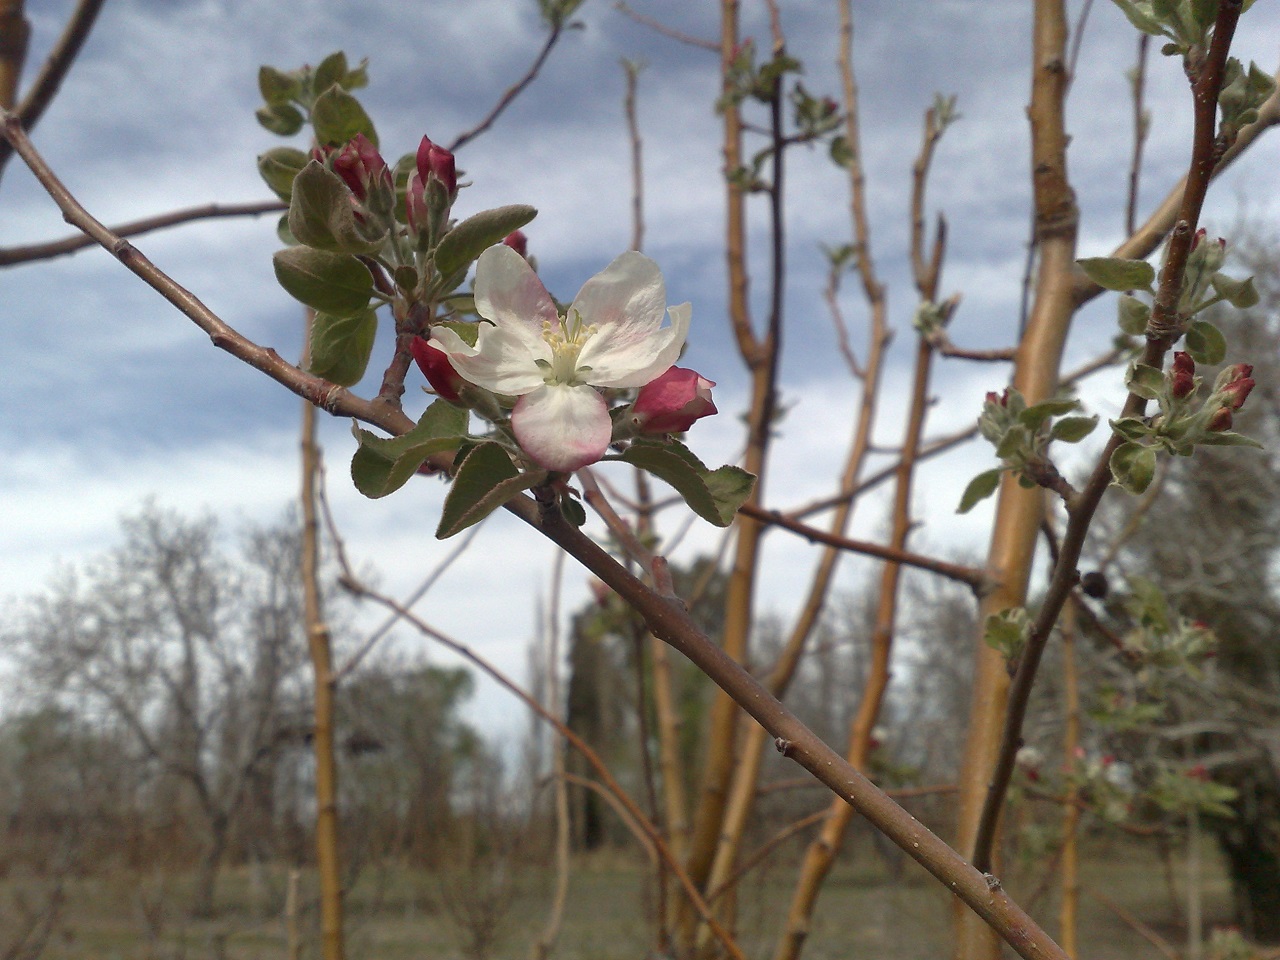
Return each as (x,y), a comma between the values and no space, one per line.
(566,339)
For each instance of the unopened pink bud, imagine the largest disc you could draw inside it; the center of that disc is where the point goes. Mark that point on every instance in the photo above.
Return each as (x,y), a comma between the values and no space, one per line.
(1182,378)
(434,161)
(673,401)
(416,212)
(435,366)
(359,164)
(518,242)
(1221,420)
(1236,383)
(998,399)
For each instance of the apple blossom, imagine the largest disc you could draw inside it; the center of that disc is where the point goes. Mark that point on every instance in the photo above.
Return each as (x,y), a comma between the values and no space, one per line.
(612,336)
(673,401)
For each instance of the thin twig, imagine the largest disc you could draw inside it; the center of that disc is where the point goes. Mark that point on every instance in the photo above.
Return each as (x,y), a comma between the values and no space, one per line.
(1141,125)
(631,69)
(55,68)
(512,92)
(11,256)
(1144,931)
(972,576)
(669,32)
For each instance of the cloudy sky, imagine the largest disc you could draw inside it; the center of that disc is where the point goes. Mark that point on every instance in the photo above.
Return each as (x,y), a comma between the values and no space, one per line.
(108,396)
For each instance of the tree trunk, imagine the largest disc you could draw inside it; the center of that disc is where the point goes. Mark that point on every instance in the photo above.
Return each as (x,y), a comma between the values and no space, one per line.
(1251,844)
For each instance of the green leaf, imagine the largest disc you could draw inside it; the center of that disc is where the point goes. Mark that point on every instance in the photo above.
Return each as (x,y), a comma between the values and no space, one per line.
(320,212)
(473,236)
(714,495)
(1015,444)
(1144,381)
(1239,293)
(979,488)
(337,117)
(341,346)
(485,481)
(1205,343)
(332,283)
(284,119)
(1007,631)
(277,87)
(1073,429)
(1131,428)
(279,166)
(1140,19)
(1034,416)
(382,465)
(1227,438)
(1134,315)
(1133,466)
(332,69)
(1113,273)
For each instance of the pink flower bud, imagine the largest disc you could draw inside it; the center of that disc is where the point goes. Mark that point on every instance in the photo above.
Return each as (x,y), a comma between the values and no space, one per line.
(434,161)
(1221,420)
(435,366)
(672,402)
(359,165)
(1182,375)
(518,242)
(416,212)
(998,399)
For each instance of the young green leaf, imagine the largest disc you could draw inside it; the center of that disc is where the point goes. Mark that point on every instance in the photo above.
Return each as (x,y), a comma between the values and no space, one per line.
(1134,315)
(283,119)
(382,465)
(1114,273)
(714,495)
(332,283)
(341,346)
(279,166)
(277,87)
(1144,380)
(1241,294)
(1073,429)
(1205,343)
(320,213)
(1133,466)
(337,117)
(474,235)
(485,480)
(979,488)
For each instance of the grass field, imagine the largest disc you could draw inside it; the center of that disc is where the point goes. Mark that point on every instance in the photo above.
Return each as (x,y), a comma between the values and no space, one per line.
(399,914)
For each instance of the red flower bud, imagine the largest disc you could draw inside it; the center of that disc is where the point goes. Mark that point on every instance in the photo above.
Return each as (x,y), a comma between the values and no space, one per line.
(435,366)
(359,164)
(1182,377)
(434,161)
(1221,420)
(518,242)
(673,401)
(998,399)
(1235,383)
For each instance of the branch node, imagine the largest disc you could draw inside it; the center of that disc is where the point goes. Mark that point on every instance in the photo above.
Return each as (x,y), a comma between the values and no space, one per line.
(783,745)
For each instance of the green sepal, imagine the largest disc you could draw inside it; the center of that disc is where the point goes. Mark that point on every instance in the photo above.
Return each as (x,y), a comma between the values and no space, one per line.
(278,166)
(1241,294)
(1144,380)
(979,488)
(283,119)
(1015,442)
(278,87)
(572,510)
(1133,466)
(714,495)
(485,480)
(320,212)
(282,231)
(1205,343)
(1114,273)
(473,236)
(1134,315)
(337,117)
(332,283)
(341,346)
(1073,429)
(382,465)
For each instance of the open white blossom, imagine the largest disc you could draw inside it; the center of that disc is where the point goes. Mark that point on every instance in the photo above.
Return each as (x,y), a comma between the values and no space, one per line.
(611,336)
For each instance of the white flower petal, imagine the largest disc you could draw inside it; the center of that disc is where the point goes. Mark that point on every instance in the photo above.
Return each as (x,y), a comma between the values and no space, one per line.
(625,301)
(646,359)
(562,428)
(502,359)
(509,293)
